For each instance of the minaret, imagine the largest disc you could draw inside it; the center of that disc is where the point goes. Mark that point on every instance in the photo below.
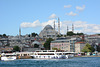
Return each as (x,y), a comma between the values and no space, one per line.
(19,32)
(54,25)
(58,26)
(67,29)
(72,28)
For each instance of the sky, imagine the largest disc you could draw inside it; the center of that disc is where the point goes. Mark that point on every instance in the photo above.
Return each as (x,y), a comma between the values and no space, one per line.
(33,15)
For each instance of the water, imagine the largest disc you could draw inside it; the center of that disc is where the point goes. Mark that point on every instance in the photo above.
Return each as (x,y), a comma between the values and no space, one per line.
(74,62)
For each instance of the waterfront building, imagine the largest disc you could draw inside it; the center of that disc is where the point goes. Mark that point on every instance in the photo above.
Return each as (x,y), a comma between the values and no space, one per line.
(79,46)
(93,40)
(66,44)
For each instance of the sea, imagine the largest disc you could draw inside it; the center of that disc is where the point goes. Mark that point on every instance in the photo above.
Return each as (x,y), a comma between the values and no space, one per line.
(73,62)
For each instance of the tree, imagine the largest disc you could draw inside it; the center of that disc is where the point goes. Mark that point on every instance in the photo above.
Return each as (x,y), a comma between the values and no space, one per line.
(98,48)
(80,34)
(34,34)
(70,33)
(88,48)
(59,35)
(47,43)
(16,48)
(54,49)
(4,35)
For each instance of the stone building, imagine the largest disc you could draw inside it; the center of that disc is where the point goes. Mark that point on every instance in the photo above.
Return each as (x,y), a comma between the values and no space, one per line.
(48,32)
(66,44)
(79,46)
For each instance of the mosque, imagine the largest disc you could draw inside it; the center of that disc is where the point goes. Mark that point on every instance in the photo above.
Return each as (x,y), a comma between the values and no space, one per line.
(50,32)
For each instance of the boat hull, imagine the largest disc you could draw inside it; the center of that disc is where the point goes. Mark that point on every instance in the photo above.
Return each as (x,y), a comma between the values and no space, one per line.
(50,57)
(8,58)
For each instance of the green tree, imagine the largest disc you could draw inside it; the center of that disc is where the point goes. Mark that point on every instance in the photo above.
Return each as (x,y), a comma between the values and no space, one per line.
(59,35)
(98,48)
(34,34)
(80,34)
(88,48)
(54,48)
(47,44)
(16,48)
(70,33)
(4,35)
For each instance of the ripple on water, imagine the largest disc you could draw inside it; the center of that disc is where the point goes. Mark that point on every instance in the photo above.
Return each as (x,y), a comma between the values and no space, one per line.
(74,62)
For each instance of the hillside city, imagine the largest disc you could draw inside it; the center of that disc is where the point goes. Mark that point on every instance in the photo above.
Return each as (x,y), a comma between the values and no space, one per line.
(50,39)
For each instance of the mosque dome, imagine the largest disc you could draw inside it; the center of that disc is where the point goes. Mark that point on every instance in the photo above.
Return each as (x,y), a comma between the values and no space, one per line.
(35,42)
(48,27)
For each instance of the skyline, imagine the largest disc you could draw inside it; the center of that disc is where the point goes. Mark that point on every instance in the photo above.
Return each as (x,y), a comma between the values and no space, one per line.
(34,15)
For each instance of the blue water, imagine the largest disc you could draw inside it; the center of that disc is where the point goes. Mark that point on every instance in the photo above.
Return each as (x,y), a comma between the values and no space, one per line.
(74,62)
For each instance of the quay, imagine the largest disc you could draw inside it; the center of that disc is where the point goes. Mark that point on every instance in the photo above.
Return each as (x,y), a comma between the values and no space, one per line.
(88,56)
(24,55)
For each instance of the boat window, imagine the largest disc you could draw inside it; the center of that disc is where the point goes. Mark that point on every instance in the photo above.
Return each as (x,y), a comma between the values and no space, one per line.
(50,51)
(44,51)
(38,51)
(39,56)
(47,54)
(60,53)
(36,56)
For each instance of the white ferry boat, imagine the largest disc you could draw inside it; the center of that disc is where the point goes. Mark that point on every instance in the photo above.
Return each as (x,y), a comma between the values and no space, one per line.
(8,56)
(51,54)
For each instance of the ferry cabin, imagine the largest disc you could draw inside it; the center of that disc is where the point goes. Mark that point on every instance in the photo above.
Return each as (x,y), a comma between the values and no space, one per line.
(51,54)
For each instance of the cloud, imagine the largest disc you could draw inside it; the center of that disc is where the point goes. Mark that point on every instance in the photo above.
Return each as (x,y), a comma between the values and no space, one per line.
(29,24)
(71,14)
(38,24)
(79,26)
(80,8)
(53,16)
(67,6)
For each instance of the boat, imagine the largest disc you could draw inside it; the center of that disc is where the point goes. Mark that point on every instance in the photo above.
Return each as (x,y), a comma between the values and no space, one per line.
(8,56)
(51,54)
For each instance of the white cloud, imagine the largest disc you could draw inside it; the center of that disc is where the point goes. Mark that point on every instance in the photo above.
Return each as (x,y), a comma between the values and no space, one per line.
(80,8)
(29,24)
(53,16)
(38,24)
(71,14)
(79,26)
(49,22)
(67,6)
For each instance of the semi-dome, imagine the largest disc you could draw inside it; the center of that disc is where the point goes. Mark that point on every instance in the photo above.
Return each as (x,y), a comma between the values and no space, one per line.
(35,42)
(48,27)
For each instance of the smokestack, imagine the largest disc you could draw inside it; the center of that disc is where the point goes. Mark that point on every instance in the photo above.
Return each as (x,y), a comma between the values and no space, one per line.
(58,26)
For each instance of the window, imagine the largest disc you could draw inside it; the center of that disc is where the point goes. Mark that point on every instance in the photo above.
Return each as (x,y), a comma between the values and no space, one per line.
(62,47)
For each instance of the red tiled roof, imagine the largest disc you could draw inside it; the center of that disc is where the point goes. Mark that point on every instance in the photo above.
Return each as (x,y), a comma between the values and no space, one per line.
(79,42)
